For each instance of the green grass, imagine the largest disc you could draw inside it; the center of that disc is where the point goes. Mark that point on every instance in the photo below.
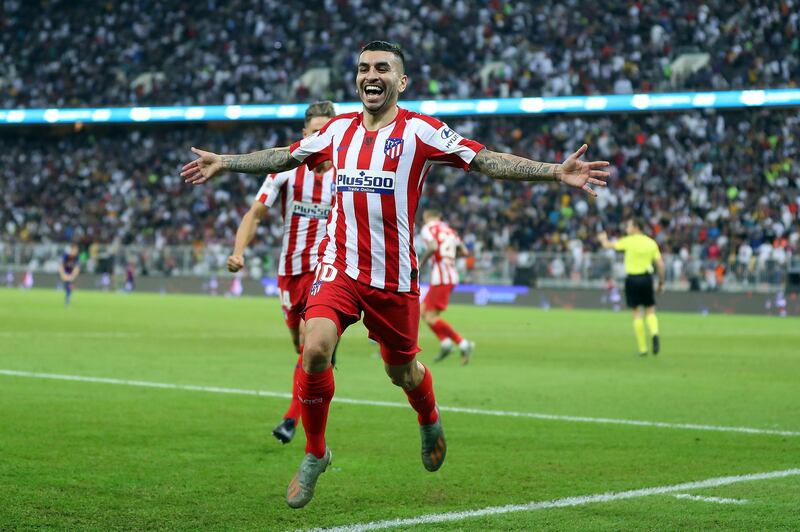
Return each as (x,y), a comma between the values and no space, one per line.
(101,456)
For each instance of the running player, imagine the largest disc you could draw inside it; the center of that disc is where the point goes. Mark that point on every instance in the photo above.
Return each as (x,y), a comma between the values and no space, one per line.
(368,265)
(442,244)
(68,271)
(304,197)
(641,253)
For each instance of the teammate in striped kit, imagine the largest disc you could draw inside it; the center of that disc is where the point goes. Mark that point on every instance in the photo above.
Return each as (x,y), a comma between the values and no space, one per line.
(442,244)
(305,198)
(368,265)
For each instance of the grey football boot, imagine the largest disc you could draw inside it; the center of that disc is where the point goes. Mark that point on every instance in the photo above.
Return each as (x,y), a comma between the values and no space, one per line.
(434,447)
(301,488)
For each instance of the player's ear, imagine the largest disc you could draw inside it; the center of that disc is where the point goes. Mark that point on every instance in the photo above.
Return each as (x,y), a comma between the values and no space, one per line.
(403,83)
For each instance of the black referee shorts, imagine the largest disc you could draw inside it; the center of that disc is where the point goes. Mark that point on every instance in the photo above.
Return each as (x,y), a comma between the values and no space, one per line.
(639,290)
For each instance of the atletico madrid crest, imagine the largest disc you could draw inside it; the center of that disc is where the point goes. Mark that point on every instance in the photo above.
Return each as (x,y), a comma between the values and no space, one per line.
(393,148)
(315,286)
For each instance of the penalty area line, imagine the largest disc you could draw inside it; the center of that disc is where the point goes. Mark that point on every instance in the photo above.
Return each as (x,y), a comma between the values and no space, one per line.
(566,502)
(390,404)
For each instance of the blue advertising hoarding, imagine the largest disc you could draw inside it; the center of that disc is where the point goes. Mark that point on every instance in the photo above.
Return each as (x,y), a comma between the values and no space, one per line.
(672,101)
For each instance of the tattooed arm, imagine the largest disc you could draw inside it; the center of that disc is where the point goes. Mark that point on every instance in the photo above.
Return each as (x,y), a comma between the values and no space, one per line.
(507,166)
(208,164)
(573,171)
(268,161)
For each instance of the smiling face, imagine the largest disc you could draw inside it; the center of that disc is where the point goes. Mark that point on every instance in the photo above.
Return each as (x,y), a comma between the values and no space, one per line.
(380,80)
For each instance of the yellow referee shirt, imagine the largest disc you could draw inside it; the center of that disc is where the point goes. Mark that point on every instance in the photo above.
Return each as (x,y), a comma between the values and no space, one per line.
(640,252)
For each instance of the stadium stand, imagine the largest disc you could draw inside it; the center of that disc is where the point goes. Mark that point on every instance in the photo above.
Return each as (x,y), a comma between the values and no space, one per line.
(721,187)
(63,53)
(717,185)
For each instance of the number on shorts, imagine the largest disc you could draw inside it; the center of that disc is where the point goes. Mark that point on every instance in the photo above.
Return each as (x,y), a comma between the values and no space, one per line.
(327,273)
(286,300)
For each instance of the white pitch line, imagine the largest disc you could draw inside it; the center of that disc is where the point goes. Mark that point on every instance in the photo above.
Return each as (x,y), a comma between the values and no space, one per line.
(115,334)
(615,421)
(71,334)
(558,503)
(719,500)
(145,384)
(390,404)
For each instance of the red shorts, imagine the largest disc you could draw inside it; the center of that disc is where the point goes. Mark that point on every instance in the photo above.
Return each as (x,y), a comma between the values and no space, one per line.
(438,296)
(392,318)
(293,290)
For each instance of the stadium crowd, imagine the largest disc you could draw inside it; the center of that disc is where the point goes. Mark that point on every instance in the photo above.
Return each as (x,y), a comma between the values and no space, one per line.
(143,52)
(720,186)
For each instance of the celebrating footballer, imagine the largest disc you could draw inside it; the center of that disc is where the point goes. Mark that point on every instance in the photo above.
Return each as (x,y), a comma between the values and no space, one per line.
(368,265)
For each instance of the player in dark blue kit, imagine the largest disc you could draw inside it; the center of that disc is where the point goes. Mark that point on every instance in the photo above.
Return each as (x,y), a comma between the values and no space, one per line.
(68,270)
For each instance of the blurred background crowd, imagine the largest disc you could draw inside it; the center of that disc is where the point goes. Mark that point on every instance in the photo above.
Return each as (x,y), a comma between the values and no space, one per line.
(718,187)
(67,53)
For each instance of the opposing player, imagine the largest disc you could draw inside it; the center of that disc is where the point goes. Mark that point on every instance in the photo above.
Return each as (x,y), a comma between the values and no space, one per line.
(641,254)
(442,244)
(305,197)
(368,265)
(68,271)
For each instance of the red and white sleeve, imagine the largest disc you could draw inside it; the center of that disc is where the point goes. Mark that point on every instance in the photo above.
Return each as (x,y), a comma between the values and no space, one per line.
(447,147)
(271,188)
(314,149)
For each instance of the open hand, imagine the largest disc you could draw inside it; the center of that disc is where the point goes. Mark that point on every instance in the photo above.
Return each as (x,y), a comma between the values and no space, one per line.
(206,166)
(581,174)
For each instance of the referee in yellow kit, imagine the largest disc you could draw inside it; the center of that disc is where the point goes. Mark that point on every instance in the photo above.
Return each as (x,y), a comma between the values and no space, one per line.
(641,254)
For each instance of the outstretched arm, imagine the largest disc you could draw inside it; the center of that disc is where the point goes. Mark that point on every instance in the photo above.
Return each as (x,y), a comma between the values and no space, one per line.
(573,171)
(605,242)
(208,164)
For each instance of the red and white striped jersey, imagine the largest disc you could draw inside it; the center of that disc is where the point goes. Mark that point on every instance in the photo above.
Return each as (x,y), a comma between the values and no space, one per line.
(444,241)
(379,179)
(305,200)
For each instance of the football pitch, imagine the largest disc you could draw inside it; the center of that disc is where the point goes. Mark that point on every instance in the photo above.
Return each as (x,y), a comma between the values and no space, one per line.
(154,412)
